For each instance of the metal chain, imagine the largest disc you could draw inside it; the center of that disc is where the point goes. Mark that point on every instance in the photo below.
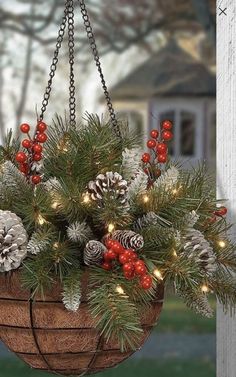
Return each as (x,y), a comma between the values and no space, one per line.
(93,45)
(53,66)
(71,45)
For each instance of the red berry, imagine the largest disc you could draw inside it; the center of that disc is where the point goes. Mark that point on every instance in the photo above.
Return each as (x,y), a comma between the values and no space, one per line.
(162,158)
(167,135)
(41,127)
(132,255)
(140,270)
(129,275)
(154,134)
(37,157)
(21,157)
(36,179)
(161,148)
(167,125)
(42,138)
(110,255)
(26,143)
(139,263)
(146,282)
(128,267)
(37,148)
(146,157)
(151,144)
(25,128)
(123,258)
(107,266)
(221,211)
(24,168)
(117,247)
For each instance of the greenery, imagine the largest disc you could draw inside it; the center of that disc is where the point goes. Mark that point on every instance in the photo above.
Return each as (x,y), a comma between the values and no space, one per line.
(168,368)
(185,241)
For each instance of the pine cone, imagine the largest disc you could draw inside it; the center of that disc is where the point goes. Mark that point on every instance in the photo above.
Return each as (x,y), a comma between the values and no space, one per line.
(93,253)
(197,247)
(128,239)
(13,241)
(110,183)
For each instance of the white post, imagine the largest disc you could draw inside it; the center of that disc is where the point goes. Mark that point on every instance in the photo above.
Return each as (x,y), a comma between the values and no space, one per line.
(226,161)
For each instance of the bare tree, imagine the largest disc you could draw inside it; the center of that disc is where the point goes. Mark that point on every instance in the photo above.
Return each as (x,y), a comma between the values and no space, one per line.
(118,25)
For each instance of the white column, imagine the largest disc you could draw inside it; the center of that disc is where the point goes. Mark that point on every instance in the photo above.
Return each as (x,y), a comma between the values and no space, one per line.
(226,161)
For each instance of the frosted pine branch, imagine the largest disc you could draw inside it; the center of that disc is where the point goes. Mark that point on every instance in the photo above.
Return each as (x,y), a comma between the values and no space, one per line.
(52,184)
(191,219)
(79,232)
(197,302)
(13,178)
(72,292)
(131,162)
(138,185)
(39,242)
(168,179)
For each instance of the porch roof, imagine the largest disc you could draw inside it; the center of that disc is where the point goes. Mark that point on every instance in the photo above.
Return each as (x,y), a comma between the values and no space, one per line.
(170,72)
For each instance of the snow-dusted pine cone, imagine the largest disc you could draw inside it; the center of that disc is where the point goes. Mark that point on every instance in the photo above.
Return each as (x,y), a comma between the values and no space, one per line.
(197,247)
(128,239)
(13,241)
(93,253)
(111,184)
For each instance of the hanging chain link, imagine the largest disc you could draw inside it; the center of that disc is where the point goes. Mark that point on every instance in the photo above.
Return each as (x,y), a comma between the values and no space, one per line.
(53,66)
(71,45)
(69,16)
(93,45)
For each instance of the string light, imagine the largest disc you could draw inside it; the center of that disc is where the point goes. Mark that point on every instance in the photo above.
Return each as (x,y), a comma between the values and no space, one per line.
(222,244)
(55,205)
(204,288)
(175,254)
(146,198)
(56,245)
(86,198)
(120,290)
(41,220)
(158,274)
(175,191)
(111,228)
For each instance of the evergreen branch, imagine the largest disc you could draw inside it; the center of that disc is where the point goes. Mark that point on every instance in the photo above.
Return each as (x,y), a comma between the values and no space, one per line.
(197,301)
(72,290)
(117,317)
(41,240)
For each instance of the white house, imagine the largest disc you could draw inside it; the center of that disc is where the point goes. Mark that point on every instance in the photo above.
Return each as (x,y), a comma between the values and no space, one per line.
(172,85)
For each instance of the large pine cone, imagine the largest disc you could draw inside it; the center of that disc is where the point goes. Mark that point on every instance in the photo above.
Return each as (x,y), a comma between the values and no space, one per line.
(94,253)
(13,241)
(197,247)
(128,239)
(111,184)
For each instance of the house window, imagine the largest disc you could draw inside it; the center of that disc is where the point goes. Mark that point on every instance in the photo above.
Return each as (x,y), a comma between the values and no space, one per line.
(187,133)
(184,142)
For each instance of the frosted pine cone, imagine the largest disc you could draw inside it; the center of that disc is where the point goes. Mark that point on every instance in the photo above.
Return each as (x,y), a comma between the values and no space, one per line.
(197,247)
(128,239)
(13,241)
(93,253)
(111,184)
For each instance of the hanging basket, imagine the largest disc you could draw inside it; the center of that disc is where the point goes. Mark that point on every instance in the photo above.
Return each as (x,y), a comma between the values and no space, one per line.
(48,337)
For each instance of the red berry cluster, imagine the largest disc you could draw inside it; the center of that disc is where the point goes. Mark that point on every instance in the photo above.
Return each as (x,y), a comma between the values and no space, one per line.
(33,150)
(132,266)
(159,147)
(220,212)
